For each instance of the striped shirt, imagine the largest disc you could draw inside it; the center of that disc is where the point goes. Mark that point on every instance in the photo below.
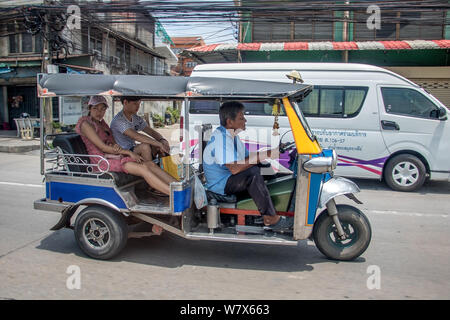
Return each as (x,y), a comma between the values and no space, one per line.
(120,124)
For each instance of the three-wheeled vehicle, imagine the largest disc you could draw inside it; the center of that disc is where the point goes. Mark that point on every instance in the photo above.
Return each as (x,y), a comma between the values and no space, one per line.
(100,206)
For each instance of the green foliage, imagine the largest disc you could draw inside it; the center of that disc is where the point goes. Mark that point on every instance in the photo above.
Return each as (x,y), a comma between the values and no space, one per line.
(174,113)
(158,121)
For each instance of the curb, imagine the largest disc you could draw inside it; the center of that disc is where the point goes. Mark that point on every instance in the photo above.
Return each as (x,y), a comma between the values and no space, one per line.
(18,149)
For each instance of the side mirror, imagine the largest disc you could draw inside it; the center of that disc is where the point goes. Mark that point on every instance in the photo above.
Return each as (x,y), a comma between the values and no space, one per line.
(442,114)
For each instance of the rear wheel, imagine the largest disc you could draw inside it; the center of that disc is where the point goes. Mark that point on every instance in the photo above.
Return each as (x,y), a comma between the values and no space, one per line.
(405,172)
(100,232)
(356,227)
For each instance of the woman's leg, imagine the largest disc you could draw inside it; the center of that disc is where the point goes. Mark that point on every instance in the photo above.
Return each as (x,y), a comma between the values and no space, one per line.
(152,179)
(163,175)
(144,150)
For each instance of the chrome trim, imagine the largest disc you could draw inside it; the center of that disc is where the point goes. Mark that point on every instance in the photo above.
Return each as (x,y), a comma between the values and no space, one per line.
(301,230)
(101,202)
(45,205)
(335,160)
(335,187)
(60,161)
(52,177)
(247,238)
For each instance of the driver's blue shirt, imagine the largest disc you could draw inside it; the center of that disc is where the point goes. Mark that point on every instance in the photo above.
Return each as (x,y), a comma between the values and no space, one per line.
(221,149)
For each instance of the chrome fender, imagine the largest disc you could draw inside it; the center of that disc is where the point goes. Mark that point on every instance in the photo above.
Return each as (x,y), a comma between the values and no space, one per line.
(336,187)
(90,201)
(68,212)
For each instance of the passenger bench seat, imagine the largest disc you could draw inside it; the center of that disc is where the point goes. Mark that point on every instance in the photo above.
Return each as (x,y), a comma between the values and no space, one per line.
(73,144)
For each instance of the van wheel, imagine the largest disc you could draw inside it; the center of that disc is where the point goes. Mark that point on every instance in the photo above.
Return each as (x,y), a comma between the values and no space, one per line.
(356,227)
(100,232)
(405,172)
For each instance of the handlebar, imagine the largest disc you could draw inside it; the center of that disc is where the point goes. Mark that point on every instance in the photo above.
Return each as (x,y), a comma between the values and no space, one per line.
(286,146)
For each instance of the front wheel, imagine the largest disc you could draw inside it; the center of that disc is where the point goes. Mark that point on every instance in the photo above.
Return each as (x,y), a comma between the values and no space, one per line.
(405,172)
(356,227)
(100,232)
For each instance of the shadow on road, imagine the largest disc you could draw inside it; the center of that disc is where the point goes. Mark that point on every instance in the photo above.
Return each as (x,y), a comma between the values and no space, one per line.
(171,251)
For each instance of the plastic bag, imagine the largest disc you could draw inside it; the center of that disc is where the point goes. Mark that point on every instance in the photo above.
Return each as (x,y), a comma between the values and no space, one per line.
(200,197)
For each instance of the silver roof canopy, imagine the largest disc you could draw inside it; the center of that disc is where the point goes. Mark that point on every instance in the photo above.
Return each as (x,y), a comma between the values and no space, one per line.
(165,87)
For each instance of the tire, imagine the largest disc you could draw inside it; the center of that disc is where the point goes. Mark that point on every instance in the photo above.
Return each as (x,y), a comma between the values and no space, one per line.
(356,226)
(405,172)
(100,232)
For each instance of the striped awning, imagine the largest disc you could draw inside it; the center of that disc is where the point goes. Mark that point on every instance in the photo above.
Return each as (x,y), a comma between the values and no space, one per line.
(327,45)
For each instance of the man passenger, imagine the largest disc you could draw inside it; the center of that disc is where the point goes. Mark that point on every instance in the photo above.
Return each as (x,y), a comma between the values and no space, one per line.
(126,126)
(229,167)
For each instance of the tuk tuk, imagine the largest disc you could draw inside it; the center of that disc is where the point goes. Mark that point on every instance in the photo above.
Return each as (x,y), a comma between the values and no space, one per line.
(100,205)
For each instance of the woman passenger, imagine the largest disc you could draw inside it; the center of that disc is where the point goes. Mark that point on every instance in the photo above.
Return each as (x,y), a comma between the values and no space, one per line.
(98,138)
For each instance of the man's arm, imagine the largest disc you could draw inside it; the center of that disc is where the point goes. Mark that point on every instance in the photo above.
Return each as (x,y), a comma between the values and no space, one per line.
(239,166)
(141,137)
(153,133)
(253,159)
(158,137)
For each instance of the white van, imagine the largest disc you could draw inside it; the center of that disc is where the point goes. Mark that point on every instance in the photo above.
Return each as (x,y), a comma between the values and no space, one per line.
(381,125)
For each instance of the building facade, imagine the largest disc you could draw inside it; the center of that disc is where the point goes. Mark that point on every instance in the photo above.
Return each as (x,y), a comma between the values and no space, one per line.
(185,64)
(103,42)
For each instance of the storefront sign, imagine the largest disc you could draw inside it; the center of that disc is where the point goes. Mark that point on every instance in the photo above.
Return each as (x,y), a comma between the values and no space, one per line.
(70,110)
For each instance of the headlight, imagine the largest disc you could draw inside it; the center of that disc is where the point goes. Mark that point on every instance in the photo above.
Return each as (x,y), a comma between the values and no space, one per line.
(319,164)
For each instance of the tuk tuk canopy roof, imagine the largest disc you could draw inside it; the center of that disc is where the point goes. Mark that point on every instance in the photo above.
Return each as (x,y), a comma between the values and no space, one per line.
(165,87)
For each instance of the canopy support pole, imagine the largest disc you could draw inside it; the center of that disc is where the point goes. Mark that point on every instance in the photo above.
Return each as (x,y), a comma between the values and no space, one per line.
(41,133)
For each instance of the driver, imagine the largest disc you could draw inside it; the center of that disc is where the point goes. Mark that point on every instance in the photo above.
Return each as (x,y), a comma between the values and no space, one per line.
(229,167)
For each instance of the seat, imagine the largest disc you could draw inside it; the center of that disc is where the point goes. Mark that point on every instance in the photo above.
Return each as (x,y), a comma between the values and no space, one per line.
(73,144)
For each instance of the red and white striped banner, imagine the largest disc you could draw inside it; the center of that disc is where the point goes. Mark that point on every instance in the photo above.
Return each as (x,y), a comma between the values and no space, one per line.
(327,45)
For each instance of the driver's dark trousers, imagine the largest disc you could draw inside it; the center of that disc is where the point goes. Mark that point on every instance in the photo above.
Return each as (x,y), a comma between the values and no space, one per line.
(250,180)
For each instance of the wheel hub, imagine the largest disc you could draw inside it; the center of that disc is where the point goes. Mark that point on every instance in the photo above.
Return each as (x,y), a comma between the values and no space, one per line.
(348,238)
(405,173)
(97,233)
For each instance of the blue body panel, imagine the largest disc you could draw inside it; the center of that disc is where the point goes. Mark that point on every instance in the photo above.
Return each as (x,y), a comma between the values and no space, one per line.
(72,192)
(315,187)
(315,184)
(181,200)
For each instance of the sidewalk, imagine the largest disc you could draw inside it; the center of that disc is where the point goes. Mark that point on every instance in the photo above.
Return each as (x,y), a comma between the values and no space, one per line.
(9,142)
(17,145)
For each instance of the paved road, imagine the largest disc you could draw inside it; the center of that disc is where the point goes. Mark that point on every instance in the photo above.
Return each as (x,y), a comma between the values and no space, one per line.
(409,250)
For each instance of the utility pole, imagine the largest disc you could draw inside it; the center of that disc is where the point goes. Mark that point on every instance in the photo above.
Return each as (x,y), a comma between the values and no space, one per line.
(46,61)
(345,32)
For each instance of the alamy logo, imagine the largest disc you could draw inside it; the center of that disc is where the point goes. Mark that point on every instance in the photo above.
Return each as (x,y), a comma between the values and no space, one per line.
(374,280)
(374,21)
(74,19)
(74,280)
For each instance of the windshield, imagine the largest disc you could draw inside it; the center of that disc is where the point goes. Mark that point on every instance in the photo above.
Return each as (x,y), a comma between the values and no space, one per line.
(303,120)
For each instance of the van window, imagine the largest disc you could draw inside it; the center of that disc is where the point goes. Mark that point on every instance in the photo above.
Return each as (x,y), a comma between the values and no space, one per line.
(408,102)
(212,107)
(336,102)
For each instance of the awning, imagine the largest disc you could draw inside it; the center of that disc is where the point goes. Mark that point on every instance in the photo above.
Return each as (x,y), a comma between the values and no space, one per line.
(4,68)
(229,51)
(82,68)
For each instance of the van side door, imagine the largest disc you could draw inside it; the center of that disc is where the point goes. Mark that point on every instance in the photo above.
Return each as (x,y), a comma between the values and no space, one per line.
(410,121)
